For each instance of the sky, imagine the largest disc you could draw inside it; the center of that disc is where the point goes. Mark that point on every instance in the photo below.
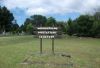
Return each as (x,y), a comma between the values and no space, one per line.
(61,10)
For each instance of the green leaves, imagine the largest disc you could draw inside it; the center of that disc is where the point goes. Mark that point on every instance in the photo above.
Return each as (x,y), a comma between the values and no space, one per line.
(85,25)
(51,21)
(6,18)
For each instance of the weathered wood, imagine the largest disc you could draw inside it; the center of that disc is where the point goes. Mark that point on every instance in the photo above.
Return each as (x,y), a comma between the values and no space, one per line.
(40,45)
(53,45)
(46,32)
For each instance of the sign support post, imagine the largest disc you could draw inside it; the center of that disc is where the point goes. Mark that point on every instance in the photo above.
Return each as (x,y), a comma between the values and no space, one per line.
(53,45)
(47,32)
(40,45)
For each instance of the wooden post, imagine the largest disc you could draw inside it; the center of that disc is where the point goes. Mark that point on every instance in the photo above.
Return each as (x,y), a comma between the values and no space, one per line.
(53,45)
(40,45)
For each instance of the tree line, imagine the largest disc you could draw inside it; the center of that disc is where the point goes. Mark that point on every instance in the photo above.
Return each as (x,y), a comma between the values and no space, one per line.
(84,25)
(7,22)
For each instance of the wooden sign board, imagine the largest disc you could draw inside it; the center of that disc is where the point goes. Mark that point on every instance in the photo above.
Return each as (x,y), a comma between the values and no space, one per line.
(46,32)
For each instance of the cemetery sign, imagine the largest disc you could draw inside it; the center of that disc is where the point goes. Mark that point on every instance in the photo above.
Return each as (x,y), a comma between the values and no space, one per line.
(46,33)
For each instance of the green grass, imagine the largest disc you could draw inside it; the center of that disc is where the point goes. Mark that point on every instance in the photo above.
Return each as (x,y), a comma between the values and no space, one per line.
(14,50)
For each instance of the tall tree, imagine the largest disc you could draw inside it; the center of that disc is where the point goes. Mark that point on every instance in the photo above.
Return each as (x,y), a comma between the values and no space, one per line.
(51,22)
(21,28)
(28,26)
(15,27)
(38,20)
(84,25)
(97,15)
(27,21)
(70,27)
(95,31)
(62,25)
(6,18)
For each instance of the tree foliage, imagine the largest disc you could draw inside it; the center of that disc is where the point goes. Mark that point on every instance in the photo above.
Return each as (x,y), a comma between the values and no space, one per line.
(70,27)
(6,18)
(51,22)
(15,28)
(85,25)
(38,20)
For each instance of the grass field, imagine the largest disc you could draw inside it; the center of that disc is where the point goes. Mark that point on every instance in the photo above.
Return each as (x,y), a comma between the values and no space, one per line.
(23,52)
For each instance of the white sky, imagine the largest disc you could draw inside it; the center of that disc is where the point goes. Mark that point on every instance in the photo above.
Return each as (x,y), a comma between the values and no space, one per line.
(52,6)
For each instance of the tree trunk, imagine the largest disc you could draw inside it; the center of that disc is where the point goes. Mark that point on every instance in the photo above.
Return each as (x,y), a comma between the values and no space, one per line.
(3,31)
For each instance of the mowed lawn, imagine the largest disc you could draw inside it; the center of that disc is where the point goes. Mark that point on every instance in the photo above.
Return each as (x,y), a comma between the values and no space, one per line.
(14,50)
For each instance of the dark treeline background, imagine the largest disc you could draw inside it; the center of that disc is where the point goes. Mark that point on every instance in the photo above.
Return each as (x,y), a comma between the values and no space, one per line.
(85,25)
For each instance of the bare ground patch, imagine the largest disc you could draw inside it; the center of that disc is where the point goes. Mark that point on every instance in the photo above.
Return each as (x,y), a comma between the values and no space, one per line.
(59,60)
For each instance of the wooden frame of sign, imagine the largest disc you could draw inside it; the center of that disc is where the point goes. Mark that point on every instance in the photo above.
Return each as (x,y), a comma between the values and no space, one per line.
(46,32)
